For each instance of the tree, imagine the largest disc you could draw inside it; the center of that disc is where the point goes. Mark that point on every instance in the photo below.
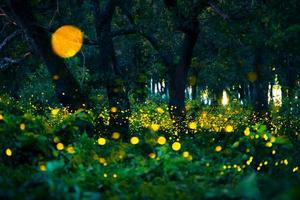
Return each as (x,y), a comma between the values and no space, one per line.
(67,88)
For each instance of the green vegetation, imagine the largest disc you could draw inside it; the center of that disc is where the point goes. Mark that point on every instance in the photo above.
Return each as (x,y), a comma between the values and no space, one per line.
(56,155)
(149,99)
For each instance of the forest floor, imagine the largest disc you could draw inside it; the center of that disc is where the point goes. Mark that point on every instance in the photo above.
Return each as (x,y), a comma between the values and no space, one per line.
(53,155)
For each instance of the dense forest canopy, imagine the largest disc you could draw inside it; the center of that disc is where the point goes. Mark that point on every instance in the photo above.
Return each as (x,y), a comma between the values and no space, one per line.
(106,80)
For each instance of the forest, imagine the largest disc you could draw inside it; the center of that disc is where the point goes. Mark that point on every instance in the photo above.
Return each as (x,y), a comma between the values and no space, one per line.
(149,99)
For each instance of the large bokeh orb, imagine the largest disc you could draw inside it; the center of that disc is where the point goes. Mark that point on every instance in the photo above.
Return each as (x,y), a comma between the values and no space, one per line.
(66,41)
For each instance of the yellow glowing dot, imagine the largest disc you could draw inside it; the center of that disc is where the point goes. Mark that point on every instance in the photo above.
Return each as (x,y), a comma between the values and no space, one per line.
(295,169)
(115,135)
(176,146)
(43,168)
(185,154)
(247,131)
(70,150)
(160,110)
(54,111)
(152,155)
(101,141)
(115,175)
(269,144)
(266,163)
(273,152)
(113,109)
(258,168)
(229,128)
(8,152)
(161,140)
(286,162)
(218,148)
(1,117)
(67,41)
(60,146)
(155,127)
(265,137)
(192,125)
(102,160)
(256,136)
(55,77)
(134,140)
(22,126)
(105,175)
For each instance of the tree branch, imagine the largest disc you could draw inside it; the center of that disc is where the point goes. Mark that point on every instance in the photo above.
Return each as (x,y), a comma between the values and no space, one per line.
(218,10)
(9,39)
(6,62)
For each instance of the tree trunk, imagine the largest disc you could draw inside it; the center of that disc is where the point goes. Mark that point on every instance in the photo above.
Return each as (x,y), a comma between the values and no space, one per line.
(117,95)
(260,87)
(66,87)
(178,79)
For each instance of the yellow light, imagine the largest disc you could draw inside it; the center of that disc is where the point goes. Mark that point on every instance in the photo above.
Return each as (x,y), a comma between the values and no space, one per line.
(101,141)
(105,175)
(67,41)
(55,77)
(60,146)
(115,175)
(161,140)
(1,117)
(176,146)
(134,140)
(152,155)
(273,152)
(155,127)
(55,111)
(70,150)
(160,110)
(286,162)
(247,131)
(8,152)
(43,168)
(113,109)
(22,126)
(218,148)
(225,99)
(192,125)
(269,144)
(115,135)
(295,169)
(265,137)
(185,154)
(229,128)
(102,160)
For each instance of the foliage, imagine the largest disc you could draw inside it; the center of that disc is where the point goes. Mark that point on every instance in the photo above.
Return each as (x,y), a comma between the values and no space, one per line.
(246,160)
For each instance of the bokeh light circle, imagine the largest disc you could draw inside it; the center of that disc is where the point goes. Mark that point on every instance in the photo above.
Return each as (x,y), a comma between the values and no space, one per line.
(66,41)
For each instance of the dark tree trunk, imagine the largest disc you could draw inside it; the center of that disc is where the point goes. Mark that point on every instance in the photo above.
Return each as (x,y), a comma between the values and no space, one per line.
(66,87)
(260,87)
(178,79)
(117,95)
